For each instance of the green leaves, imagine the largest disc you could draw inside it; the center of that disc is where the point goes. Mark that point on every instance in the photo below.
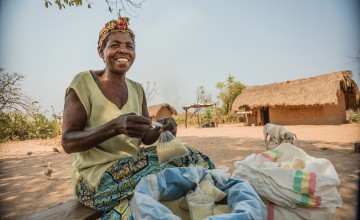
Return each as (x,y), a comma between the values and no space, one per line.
(47,3)
(20,116)
(126,7)
(63,3)
(229,90)
(22,126)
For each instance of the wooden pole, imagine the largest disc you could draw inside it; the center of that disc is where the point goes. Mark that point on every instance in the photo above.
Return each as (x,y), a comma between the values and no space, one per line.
(198,117)
(186,118)
(246,122)
(215,115)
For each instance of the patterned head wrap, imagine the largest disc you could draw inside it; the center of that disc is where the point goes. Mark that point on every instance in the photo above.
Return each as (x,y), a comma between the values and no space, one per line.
(120,25)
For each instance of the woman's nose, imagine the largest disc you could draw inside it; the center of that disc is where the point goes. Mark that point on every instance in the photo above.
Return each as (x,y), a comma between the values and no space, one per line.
(123,50)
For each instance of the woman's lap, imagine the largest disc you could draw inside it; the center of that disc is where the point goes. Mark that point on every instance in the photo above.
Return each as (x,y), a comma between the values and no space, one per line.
(117,185)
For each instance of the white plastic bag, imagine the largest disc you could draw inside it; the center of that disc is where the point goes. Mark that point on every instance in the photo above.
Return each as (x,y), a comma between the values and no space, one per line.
(173,183)
(272,175)
(207,185)
(169,148)
(279,212)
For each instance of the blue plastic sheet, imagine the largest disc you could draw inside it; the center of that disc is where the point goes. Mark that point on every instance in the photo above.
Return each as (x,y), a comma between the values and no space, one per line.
(174,183)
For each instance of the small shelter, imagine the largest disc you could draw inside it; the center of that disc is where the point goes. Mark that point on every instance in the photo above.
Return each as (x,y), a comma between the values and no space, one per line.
(323,99)
(199,106)
(163,110)
(245,114)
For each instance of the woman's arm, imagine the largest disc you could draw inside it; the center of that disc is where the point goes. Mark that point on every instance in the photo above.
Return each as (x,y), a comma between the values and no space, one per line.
(75,139)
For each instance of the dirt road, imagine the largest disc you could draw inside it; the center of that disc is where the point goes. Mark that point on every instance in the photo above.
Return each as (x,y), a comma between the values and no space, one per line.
(25,189)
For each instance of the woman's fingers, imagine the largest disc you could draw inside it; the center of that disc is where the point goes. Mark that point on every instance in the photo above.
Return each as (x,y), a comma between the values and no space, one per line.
(133,125)
(169,125)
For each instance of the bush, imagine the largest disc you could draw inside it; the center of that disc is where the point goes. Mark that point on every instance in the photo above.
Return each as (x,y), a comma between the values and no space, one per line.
(231,118)
(20,126)
(180,120)
(354,118)
(207,116)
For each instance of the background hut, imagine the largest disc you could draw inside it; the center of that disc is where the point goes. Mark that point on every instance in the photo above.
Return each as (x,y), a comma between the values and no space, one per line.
(322,99)
(163,110)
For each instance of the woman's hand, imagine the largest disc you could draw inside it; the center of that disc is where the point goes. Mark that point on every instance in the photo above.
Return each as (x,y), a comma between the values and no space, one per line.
(169,124)
(132,125)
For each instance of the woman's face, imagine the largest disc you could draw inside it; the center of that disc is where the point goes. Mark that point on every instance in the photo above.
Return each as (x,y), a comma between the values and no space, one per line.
(119,52)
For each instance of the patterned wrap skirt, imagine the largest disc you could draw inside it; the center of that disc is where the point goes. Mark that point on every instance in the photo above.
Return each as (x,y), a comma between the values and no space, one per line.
(116,187)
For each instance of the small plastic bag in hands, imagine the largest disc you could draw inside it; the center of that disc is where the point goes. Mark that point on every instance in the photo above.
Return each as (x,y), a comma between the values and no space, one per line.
(169,148)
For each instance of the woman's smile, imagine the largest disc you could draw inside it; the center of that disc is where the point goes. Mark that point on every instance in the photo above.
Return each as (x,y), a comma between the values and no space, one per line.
(122,60)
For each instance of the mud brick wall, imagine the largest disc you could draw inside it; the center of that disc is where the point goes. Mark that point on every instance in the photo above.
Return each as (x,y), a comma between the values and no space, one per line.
(310,115)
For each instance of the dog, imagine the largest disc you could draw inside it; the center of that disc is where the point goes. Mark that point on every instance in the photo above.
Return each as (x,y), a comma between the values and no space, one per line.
(277,133)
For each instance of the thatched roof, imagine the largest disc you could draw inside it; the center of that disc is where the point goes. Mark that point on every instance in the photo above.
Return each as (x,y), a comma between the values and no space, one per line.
(319,90)
(154,109)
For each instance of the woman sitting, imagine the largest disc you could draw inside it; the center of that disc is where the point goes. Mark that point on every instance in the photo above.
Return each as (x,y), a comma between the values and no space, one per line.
(105,121)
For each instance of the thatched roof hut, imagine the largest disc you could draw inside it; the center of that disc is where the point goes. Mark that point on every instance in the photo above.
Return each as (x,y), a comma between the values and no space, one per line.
(323,90)
(318,90)
(163,110)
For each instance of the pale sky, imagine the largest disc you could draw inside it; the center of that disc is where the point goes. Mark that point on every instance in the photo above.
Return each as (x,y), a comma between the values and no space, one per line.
(182,44)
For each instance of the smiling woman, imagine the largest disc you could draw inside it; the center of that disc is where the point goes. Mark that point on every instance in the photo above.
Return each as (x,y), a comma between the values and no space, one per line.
(105,121)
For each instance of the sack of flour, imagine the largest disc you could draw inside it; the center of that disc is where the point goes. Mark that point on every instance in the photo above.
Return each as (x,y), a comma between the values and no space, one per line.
(169,148)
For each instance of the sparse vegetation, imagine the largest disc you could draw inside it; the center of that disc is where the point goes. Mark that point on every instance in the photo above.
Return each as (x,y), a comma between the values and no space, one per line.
(20,117)
(229,90)
(354,118)
(150,91)
(22,126)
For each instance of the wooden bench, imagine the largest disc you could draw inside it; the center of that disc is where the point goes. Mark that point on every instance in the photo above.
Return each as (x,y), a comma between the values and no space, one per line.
(71,209)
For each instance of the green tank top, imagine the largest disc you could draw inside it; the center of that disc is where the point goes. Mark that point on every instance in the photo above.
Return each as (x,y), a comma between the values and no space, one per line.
(91,164)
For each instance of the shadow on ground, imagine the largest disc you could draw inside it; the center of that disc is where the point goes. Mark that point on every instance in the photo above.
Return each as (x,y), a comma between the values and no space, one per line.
(44,191)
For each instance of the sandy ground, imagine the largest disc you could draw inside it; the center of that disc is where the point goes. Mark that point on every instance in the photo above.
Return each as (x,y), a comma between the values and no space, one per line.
(25,189)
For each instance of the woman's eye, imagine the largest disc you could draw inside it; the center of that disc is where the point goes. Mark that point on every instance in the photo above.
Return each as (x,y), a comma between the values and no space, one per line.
(114,45)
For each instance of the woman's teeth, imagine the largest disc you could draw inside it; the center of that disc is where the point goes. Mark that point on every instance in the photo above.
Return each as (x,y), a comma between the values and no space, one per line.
(122,59)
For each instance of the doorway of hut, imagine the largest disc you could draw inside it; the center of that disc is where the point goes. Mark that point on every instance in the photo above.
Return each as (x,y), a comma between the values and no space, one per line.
(264,115)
